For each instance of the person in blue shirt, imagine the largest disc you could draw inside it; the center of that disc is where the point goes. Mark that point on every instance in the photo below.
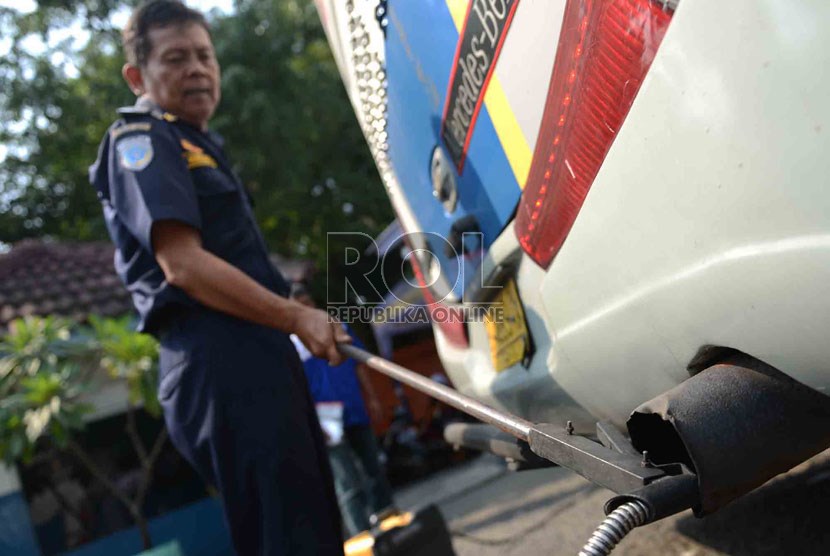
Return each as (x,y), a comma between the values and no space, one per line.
(233,391)
(364,497)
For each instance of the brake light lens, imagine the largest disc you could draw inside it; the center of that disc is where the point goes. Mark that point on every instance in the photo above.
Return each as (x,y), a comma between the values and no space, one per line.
(605,50)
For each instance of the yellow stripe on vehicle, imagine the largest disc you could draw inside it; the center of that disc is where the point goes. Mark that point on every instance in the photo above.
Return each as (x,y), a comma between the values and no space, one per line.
(510,134)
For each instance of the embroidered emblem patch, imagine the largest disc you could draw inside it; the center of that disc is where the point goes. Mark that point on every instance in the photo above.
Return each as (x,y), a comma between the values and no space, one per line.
(135,152)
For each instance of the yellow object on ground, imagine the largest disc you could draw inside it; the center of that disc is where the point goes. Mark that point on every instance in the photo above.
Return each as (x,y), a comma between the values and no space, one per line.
(362,543)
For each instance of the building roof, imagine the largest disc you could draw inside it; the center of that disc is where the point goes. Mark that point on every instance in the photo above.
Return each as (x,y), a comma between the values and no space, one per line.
(70,279)
(76,279)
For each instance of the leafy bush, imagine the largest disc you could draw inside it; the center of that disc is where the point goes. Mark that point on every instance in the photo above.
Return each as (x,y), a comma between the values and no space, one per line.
(43,376)
(50,366)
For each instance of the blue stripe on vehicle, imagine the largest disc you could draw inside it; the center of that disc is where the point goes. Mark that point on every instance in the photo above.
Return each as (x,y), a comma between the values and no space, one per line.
(420,48)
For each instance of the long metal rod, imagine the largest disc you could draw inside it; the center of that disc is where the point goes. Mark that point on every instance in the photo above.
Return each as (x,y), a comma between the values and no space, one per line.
(510,424)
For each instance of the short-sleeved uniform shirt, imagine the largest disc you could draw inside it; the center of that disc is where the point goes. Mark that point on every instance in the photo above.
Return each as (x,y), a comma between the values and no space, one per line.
(151,167)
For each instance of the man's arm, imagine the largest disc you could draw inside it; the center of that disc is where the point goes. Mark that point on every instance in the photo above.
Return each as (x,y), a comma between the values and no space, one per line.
(221,286)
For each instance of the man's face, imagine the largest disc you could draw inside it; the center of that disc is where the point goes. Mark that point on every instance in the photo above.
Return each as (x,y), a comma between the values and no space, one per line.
(181,74)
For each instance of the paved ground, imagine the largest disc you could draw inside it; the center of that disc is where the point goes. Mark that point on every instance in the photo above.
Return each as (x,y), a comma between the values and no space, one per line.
(495,512)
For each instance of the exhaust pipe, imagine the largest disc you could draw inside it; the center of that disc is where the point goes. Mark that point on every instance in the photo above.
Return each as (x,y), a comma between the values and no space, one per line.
(487,438)
(735,425)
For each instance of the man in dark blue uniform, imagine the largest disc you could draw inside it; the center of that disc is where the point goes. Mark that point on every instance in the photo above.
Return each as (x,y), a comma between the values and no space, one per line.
(234,394)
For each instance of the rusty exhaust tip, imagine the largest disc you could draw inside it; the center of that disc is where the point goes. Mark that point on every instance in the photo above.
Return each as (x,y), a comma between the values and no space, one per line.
(736,424)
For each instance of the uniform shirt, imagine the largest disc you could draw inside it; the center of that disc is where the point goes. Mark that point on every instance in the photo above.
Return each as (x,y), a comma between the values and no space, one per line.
(151,167)
(335,384)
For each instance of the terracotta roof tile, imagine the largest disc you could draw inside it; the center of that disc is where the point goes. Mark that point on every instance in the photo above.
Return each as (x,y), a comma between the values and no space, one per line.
(69,279)
(77,279)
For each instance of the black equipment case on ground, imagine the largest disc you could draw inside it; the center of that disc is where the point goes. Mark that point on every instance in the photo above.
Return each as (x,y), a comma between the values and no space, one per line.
(425,535)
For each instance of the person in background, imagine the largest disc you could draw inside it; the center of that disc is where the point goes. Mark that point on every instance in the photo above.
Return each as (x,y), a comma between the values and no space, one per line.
(365,498)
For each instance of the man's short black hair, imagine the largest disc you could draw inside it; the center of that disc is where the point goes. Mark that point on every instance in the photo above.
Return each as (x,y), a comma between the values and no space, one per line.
(152,14)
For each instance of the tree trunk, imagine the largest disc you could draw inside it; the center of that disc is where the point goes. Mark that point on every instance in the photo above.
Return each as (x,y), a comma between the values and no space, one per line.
(132,508)
(142,525)
(68,507)
(147,466)
(147,461)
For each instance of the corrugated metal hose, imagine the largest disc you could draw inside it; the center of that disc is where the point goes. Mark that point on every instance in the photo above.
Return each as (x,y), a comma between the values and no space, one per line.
(616,526)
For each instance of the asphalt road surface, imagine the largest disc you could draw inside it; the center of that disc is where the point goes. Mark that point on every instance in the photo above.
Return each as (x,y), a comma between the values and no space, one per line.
(495,512)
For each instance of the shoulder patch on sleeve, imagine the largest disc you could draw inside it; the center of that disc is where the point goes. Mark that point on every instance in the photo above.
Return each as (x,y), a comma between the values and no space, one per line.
(128,128)
(190,147)
(196,156)
(135,152)
(199,160)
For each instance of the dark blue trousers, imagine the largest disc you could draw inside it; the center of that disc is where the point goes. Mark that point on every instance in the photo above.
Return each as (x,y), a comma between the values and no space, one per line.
(237,407)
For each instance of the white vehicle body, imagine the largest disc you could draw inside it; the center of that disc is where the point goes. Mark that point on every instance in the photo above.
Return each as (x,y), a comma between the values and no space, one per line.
(708,223)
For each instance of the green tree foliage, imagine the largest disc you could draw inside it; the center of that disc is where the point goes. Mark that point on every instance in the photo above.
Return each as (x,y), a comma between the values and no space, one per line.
(292,131)
(48,365)
(52,122)
(129,356)
(289,125)
(41,384)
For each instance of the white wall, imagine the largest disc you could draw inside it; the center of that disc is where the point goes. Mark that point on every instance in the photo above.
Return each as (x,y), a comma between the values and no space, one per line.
(9,481)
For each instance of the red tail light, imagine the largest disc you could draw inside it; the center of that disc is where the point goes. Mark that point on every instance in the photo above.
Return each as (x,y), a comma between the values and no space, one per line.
(605,49)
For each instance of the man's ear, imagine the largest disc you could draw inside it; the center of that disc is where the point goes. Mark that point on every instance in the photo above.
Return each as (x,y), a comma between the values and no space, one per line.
(134,78)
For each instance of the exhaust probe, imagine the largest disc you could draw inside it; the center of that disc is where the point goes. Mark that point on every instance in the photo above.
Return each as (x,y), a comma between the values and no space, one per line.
(647,493)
